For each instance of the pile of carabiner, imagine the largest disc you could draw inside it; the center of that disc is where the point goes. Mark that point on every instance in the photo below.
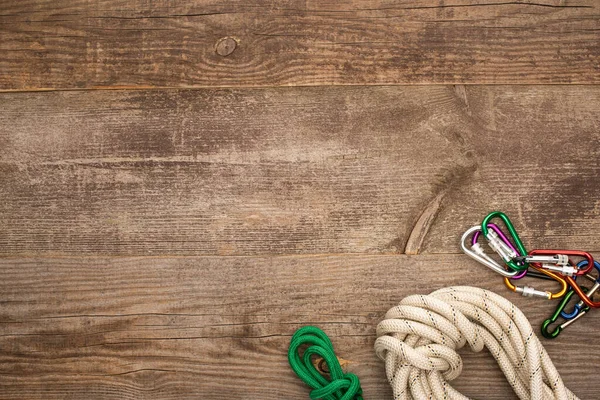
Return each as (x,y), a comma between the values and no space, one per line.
(563,266)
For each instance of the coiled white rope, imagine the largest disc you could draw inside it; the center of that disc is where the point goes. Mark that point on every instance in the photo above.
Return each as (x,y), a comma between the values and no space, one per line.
(419,339)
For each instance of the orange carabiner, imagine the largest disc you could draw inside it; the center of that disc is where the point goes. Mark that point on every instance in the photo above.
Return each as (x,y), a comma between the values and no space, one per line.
(584,297)
(532,292)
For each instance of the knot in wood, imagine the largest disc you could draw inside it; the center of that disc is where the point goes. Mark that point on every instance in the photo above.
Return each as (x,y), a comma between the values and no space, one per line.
(225,46)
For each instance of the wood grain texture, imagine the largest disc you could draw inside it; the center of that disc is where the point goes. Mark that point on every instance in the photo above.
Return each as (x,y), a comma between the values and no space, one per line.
(219,327)
(116,43)
(295,170)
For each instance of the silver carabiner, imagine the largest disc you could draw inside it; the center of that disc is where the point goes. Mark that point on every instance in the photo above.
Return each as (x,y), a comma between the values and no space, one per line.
(477,253)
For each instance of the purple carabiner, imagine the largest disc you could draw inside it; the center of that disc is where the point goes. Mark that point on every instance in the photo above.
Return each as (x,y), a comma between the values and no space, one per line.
(505,239)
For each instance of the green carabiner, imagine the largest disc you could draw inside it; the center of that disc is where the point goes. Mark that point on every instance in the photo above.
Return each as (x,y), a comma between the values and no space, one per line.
(561,306)
(508,258)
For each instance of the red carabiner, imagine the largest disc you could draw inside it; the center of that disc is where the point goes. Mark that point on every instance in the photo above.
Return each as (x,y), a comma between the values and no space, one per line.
(573,270)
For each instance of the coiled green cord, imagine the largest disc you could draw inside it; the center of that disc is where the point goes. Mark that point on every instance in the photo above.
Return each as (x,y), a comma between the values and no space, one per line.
(342,386)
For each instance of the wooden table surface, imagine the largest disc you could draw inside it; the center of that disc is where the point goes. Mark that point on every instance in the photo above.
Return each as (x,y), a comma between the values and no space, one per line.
(184,184)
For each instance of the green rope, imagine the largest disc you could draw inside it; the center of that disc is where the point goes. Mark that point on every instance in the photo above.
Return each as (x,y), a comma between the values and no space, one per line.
(341,387)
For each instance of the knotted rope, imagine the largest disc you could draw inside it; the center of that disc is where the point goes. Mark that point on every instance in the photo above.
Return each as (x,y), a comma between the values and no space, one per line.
(341,386)
(419,339)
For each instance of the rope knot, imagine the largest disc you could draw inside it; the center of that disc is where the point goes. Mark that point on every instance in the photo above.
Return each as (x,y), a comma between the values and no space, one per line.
(426,358)
(341,386)
(347,387)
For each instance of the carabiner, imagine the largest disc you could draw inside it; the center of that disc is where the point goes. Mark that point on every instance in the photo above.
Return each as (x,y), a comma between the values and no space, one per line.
(560,259)
(580,305)
(529,291)
(477,253)
(546,324)
(507,254)
(504,238)
(584,297)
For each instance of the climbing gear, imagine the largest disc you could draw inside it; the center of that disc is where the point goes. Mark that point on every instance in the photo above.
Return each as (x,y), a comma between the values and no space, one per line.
(580,305)
(558,261)
(557,265)
(342,386)
(529,291)
(504,251)
(419,340)
(584,297)
(558,312)
(504,238)
(477,253)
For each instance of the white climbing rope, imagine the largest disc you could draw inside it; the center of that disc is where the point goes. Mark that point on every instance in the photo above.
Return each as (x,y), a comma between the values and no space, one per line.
(419,339)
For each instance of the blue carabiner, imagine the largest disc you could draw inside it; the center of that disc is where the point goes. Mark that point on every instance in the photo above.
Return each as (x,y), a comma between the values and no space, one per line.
(578,307)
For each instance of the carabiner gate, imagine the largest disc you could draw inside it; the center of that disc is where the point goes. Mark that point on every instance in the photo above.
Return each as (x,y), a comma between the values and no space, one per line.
(477,253)
(507,254)
(558,261)
(568,321)
(584,296)
(580,305)
(529,291)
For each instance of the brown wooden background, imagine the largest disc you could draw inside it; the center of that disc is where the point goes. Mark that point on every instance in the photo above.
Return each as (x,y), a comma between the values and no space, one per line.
(184,184)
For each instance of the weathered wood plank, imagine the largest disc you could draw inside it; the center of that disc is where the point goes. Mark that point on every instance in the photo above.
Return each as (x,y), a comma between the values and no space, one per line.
(220,172)
(219,327)
(295,170)
(116,43)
